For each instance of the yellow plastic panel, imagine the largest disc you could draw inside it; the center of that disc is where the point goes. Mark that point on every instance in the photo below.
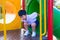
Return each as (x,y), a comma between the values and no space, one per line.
(12,19)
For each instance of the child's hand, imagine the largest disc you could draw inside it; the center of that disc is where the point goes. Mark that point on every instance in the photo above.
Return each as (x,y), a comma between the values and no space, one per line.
(38,14)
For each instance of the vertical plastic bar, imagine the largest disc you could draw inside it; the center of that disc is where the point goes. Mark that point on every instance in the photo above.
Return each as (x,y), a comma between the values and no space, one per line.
(40,19)
(3,9)
(23,4)
(50,21)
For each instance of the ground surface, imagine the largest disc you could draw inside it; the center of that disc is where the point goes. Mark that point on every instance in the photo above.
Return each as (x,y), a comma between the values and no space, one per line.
(15,35)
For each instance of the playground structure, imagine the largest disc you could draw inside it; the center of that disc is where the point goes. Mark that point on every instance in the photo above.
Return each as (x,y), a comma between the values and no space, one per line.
(56,17)
(11,14)
(12,19)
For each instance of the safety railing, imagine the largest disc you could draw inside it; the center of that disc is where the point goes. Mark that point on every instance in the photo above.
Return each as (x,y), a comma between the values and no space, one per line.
(42,34)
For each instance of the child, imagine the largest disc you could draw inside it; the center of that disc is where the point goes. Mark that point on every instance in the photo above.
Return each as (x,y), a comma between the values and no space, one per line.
(29,20)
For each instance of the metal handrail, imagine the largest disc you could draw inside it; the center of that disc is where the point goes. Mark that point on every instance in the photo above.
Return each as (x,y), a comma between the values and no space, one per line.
(42,34)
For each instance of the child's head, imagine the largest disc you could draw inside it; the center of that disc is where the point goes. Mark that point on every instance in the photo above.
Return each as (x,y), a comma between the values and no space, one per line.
(22,14)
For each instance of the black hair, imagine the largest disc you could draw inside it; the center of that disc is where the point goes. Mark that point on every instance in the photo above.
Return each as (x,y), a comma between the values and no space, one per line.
(21,12)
